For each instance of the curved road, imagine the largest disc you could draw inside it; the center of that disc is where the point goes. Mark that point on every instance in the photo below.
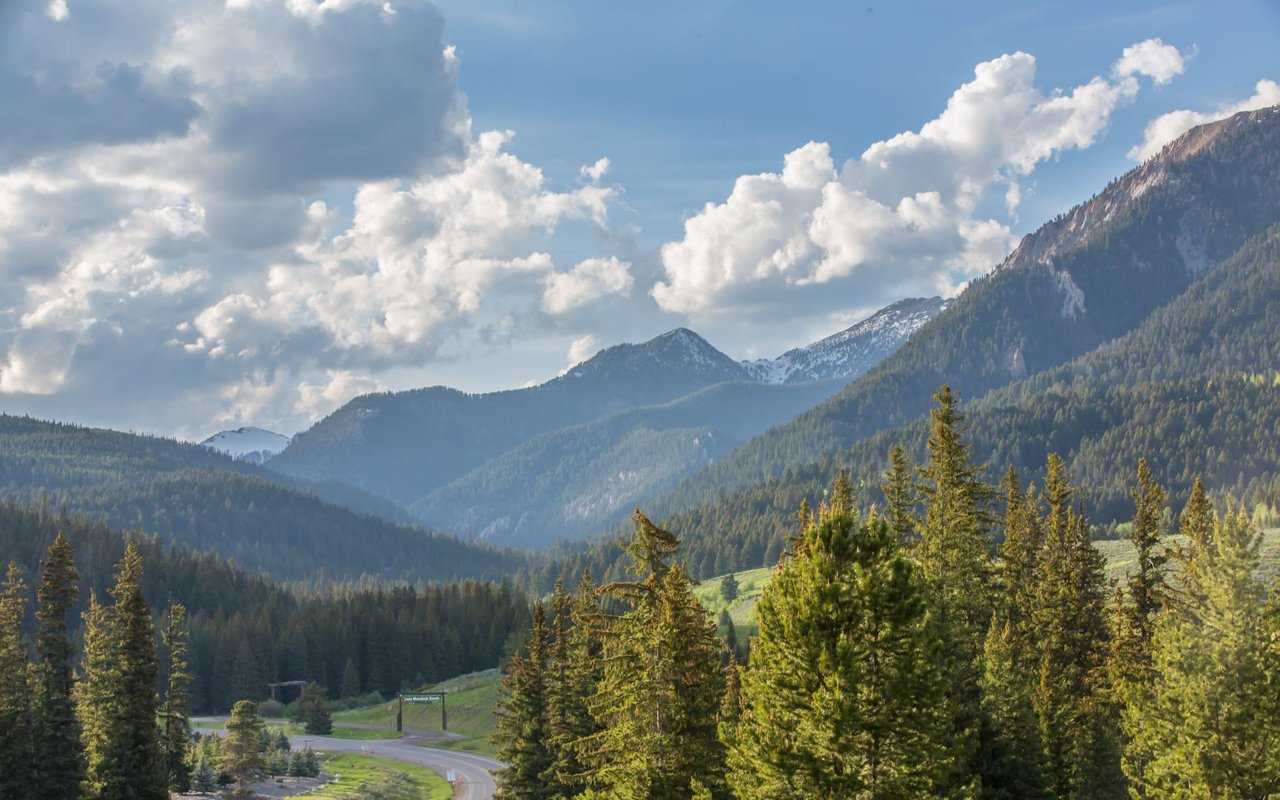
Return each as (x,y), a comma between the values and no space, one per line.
(474,773)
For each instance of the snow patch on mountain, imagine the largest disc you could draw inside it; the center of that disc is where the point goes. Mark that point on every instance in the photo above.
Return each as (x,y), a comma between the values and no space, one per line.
(254,445)
(853,351)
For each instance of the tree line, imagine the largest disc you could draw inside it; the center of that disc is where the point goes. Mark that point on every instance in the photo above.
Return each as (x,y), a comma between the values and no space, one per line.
(956,640)
(246,631)
(101,732)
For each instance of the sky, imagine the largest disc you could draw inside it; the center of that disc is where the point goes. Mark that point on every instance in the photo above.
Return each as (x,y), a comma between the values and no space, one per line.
(218,213)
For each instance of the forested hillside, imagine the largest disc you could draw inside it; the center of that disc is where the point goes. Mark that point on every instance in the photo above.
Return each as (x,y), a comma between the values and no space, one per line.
(1079,281)
(570,483)
(962,640)
(1195,389)
(207,501)
(247,630)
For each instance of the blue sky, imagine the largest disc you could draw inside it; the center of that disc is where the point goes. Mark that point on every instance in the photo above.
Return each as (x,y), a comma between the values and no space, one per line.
(684,97)
(226,212)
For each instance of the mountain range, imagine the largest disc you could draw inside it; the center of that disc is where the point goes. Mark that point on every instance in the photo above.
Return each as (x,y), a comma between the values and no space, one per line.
(528,467)
(1142,322)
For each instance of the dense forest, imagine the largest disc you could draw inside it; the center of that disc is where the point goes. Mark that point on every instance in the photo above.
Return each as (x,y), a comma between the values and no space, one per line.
(246,630)
(206,501)
(958,641)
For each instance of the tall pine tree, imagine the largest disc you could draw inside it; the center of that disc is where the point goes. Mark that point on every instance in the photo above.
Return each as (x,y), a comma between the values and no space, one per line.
(1012,749)
(1144,594)
(124,755)
(60,766)
(1081,751)
(955,560)
(1209,727)
(523,734)
(662,684)
(175,712)
(900,497)
(842,695)
(17,758)
(576,727)
(240,755)
(1137,608)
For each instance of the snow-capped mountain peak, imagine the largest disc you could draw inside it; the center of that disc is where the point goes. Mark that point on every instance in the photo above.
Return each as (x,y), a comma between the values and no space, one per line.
(851,352)
(255,445)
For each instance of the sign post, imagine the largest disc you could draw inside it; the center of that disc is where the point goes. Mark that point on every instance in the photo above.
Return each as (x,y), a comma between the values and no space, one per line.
(423,697)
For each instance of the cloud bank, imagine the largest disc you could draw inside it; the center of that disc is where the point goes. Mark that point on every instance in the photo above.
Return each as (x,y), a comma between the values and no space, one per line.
(224,212)
(905,216)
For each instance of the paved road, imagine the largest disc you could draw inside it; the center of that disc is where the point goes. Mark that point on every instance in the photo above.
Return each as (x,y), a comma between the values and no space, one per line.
(474,773)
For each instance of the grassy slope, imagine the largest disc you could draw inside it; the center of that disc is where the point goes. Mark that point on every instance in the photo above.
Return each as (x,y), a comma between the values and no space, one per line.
(1119,555)
(357,775)
(471,701)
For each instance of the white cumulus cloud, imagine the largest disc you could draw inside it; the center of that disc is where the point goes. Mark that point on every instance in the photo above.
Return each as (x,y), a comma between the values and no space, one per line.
(587,282)
(246,210)
(1167,127)
(1155,59)
(904,216)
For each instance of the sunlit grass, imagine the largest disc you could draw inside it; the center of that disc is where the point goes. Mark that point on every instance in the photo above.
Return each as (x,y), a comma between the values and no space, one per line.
(470,699)
(360,776)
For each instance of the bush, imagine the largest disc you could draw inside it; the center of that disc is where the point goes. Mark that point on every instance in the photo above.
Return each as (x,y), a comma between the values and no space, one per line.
(271,709)
(278,762)
(304,763)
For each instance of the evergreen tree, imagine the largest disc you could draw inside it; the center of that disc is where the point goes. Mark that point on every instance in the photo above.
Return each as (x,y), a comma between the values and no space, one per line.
(572,724)
(954,557)
(842,694)
(127,762)
(350,679)
(60,766)
(1145,592)
(17,759)
(1019,555)
(175,712)
(523,729)
(1081,756)
(840,498)
(1011,742)
(730,707)
(900,497)
(95,693)
(313,709)
(561,778)
(729,588)
(204,779)
(730,636)
(1209,725)
(1193,553)
(662,684)
(240,753)
(1137,607)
